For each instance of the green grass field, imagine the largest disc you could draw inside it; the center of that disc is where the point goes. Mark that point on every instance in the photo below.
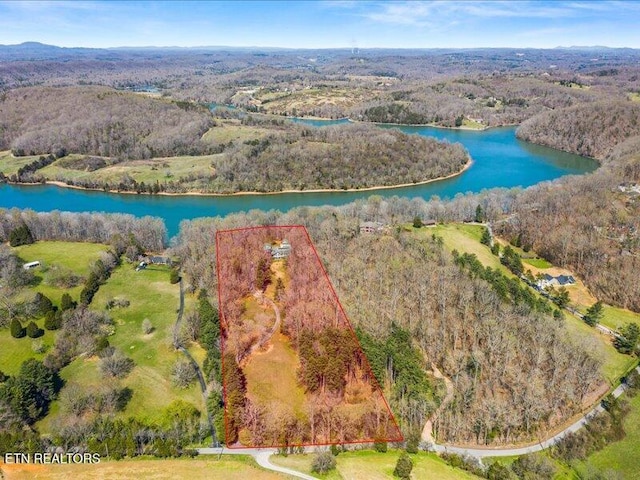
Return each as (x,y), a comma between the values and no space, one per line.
(623,456)
(14,351)
(74,256)
(468,123)
(10,164)
(371,465)
(151,296)
(236,467)
(615,317)
(233,131)
(599,345)
(466,239)
(147,171)
(537,262)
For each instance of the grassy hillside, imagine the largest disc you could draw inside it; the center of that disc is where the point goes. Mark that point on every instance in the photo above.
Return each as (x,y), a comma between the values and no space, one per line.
(10,164)
(466,239)
(150,295)
(148,171)
(72,257)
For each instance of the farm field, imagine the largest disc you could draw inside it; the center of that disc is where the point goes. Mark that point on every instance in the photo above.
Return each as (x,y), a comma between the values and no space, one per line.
(148,171)
(233,131)
(236,467)
(308,100)
(371,465)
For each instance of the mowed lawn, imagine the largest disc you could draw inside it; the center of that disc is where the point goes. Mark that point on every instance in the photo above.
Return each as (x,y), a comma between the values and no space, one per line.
(615,317)
(371,465)
(623,456)
(15,351)
(76,257)
(151,296)
(236,467)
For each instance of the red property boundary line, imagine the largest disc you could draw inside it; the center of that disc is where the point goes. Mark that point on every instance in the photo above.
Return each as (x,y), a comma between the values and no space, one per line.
(351,329)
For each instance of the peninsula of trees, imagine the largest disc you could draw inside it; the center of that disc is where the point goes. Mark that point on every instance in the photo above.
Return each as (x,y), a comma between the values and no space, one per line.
(99,138)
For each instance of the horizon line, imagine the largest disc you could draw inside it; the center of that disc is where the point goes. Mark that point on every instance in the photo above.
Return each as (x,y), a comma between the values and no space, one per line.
(267,47)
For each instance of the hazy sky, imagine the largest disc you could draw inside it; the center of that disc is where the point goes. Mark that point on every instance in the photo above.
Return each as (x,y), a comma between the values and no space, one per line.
(323,24)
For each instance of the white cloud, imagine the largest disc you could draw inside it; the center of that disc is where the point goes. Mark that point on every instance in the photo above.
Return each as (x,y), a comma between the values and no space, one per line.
(432,12)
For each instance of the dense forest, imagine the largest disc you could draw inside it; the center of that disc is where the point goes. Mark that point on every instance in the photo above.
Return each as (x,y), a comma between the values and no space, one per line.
(591,130)
(149,232)
(460,323)
(99,121)
(340,157)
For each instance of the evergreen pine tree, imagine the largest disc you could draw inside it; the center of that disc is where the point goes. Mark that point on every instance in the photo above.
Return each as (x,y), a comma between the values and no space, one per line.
(17,331)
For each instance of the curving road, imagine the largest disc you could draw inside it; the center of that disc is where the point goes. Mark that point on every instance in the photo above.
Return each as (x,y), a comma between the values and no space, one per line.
(261,455)
(506,452)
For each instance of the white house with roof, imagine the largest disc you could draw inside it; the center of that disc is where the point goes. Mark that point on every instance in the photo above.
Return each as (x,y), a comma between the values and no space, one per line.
(559,281)
(283,250)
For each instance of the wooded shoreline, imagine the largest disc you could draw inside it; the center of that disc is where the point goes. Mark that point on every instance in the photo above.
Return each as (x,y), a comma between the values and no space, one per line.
(205,194)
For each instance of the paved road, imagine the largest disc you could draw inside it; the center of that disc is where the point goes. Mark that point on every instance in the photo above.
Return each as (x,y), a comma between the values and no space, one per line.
(505,452)
(262,454)
(262,458)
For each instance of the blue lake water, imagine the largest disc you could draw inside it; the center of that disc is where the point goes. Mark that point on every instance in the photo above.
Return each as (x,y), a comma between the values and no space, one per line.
(499,160)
